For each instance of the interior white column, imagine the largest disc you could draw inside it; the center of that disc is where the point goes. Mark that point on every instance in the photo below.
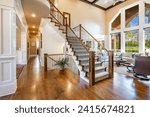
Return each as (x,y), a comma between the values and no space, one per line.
(141,24)
(123,40)
(8,82)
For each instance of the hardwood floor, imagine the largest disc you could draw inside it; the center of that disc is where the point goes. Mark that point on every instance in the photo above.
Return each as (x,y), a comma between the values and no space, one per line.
(35,84)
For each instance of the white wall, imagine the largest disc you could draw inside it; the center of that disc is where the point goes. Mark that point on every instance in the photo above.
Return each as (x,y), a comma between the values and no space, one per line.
(7,3)
(53,42)
(92,18)
(21,22)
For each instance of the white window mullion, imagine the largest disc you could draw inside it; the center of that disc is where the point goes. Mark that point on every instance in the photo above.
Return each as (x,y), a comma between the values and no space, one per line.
(141,26)
(122,30)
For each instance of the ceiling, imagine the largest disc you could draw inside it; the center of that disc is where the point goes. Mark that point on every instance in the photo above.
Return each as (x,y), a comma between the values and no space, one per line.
(40,8)
(34,10)
(103,4)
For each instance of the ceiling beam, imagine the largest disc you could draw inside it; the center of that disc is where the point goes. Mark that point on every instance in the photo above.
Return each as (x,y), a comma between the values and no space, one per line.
(85,1)
(100,7)
(115,5)
(94,1)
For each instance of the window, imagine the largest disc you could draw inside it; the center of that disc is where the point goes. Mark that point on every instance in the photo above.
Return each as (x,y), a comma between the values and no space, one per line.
(116,25)
(132,41)
(132,17)
(147,39)
(147,13)
(116,41)
(130,28)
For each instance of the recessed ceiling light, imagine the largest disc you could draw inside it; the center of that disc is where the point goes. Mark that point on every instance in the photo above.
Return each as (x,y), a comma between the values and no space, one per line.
(33,26)
(33,15)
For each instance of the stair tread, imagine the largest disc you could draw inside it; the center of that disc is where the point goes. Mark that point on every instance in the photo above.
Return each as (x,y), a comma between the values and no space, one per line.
(96,68)
(77,47)
(81,50)
(101,74)
(88,63)
(82,59)
(76,44)
(82,55)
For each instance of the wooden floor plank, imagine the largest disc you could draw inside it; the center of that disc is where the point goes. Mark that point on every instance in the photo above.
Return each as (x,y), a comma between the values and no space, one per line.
(36,84)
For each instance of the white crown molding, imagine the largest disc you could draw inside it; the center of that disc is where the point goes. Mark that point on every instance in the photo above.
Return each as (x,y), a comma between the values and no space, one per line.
(20,14)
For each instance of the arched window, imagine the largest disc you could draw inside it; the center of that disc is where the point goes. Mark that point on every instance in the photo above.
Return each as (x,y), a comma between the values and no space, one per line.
(130,28)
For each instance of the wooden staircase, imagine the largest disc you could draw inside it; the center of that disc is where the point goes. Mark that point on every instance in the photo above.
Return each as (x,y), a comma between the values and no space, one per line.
(93,69)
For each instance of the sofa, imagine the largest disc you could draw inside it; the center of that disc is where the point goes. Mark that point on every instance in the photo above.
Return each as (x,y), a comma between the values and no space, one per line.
(129,57)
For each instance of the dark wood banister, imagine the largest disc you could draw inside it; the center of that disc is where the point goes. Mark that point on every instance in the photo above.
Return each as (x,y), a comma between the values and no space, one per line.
(90,35)
(51,59)
(76,27)
(68,27)
(56,8)
(57,54)
(49,56)
(56,19)
(92,74)
(80,40)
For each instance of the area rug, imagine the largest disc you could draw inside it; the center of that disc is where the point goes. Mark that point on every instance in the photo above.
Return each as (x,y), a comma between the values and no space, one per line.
(19,69)
(123,70)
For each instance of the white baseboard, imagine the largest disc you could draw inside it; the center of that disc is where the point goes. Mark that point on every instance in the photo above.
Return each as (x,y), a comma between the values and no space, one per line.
(8,89)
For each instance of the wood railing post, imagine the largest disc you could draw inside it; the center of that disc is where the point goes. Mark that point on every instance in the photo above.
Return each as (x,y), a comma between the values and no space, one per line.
(66,28)
(80,31)
(111,64)
(91,68)
(45,61)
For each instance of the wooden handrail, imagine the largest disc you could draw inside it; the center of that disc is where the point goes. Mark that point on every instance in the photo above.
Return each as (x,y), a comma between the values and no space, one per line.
(93,37)
(56,8)
(49,56)
(80,26)
(76,26)
(68,27)
(57,54)
(52,59)
(57,20)
(80,40)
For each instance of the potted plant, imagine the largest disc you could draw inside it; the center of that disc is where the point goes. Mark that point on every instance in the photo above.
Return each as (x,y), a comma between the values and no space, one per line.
(62,63)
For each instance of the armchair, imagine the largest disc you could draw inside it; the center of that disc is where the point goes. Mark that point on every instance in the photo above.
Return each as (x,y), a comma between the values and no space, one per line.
(142,67)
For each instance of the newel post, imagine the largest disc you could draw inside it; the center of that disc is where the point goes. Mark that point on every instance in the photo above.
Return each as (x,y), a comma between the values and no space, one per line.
(91,68)
(45,61)
(80,31)
(111,64)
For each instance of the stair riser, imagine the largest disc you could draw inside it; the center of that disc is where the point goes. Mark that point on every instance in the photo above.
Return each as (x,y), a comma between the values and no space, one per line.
(82,57)
(83,61)
(96,72)
(85,67)
(80,52)
(102,78)
(74,41)
(76,45)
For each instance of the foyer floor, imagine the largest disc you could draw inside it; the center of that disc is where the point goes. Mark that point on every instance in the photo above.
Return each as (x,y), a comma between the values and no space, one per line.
(35,84)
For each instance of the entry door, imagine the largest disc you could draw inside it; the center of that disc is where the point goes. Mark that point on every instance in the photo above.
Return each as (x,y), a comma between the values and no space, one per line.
(7,51)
